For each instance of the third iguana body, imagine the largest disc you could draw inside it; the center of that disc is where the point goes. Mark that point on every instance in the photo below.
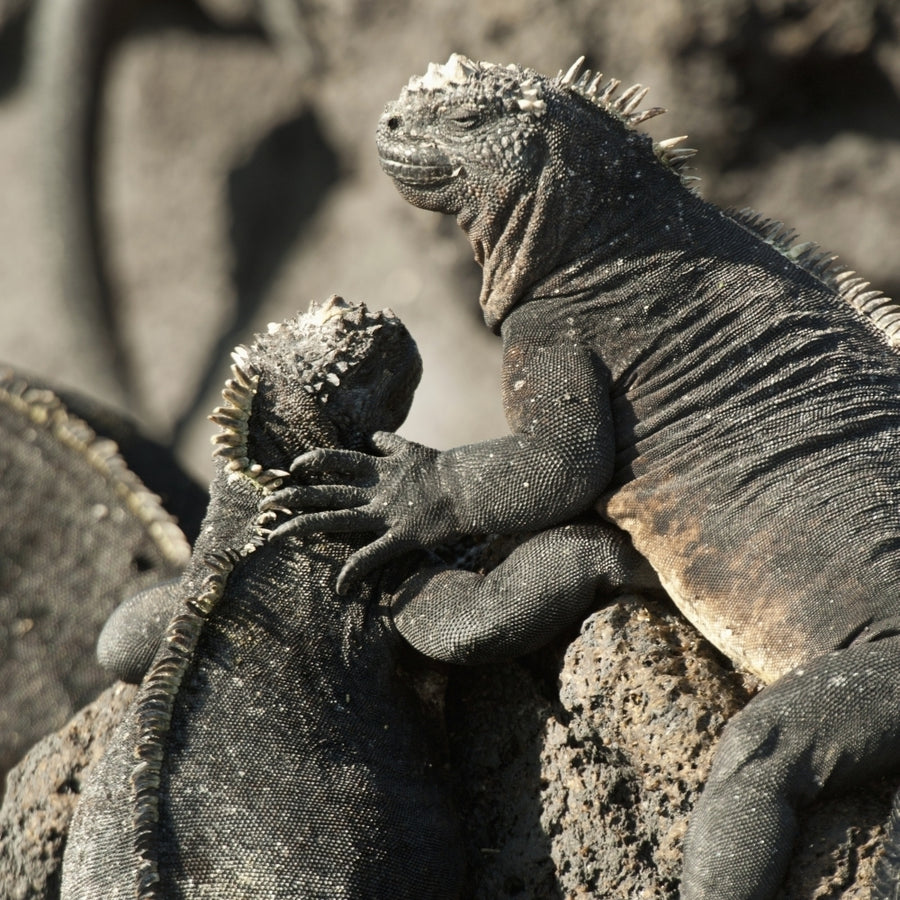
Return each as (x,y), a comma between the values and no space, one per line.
(81,526)
(729,398)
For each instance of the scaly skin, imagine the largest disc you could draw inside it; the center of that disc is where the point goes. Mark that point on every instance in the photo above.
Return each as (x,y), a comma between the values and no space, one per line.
(273,750)
(726,397)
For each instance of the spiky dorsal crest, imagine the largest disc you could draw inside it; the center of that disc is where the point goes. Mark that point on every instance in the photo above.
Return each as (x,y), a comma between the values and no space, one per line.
(592,88)
(233,418)
(624,106)
(155,706)
(882,311)
(46,411)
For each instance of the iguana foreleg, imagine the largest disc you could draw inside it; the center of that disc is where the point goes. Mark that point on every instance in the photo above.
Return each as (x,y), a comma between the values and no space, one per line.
(552,467)
(545,585)
(131,635)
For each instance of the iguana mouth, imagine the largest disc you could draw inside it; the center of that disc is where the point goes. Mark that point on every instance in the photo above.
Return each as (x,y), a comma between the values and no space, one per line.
(419,174)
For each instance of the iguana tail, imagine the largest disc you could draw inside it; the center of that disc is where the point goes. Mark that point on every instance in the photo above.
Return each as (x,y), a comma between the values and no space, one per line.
(70,47)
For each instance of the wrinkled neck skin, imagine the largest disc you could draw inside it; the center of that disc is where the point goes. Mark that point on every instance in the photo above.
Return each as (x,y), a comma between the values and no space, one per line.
(519,244)
(569,221)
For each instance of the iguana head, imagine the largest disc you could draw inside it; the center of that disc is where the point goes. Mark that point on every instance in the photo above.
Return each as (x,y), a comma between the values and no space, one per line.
(328,378)
(526,163)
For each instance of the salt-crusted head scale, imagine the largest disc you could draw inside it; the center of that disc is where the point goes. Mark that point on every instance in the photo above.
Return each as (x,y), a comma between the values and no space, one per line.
(312,361)
(461,71)
(525,90)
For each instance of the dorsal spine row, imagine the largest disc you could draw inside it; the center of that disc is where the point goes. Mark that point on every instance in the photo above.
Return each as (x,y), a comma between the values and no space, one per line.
(154,709)
(46,411)
(880,310)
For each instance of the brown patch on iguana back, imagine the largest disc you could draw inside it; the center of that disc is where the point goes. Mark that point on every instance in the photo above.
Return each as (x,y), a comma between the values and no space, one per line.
(731,590)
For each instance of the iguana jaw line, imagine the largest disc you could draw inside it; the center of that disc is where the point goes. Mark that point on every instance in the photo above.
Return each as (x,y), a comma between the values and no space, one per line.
(420,175)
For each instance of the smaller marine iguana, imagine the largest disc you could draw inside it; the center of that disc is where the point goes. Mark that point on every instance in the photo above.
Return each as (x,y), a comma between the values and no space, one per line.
(728,397)
(272,749)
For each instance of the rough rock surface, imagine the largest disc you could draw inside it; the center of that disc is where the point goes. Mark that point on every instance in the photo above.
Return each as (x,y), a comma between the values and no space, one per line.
(41,794)
(575,771)
(79,532)
(584,785)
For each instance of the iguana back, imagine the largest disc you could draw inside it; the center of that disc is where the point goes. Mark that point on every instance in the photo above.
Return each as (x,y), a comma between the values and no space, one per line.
(273,750)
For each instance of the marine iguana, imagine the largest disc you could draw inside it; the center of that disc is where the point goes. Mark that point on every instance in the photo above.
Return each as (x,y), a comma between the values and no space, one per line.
(725,395)
(81,527)
(272,749)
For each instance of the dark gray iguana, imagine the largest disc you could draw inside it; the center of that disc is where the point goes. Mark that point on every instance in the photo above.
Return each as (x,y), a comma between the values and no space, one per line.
(79,530)
(728,397)
(272,750)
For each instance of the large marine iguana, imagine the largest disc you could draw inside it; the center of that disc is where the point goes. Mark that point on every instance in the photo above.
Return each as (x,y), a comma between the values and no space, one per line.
(272,749)
(725,395)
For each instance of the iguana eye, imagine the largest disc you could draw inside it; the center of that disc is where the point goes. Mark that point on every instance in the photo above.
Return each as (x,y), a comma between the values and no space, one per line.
(466,116)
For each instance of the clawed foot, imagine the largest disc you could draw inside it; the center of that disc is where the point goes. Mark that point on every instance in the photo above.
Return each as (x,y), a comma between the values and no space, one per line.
(382,494)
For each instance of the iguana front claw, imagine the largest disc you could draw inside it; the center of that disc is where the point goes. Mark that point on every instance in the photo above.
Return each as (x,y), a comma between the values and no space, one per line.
(392,496)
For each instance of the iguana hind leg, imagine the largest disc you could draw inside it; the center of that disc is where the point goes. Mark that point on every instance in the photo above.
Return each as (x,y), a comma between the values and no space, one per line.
(545,585)
(131,635)
(827,725)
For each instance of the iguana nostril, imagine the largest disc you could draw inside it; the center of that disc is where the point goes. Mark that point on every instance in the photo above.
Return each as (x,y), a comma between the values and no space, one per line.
(393,123)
